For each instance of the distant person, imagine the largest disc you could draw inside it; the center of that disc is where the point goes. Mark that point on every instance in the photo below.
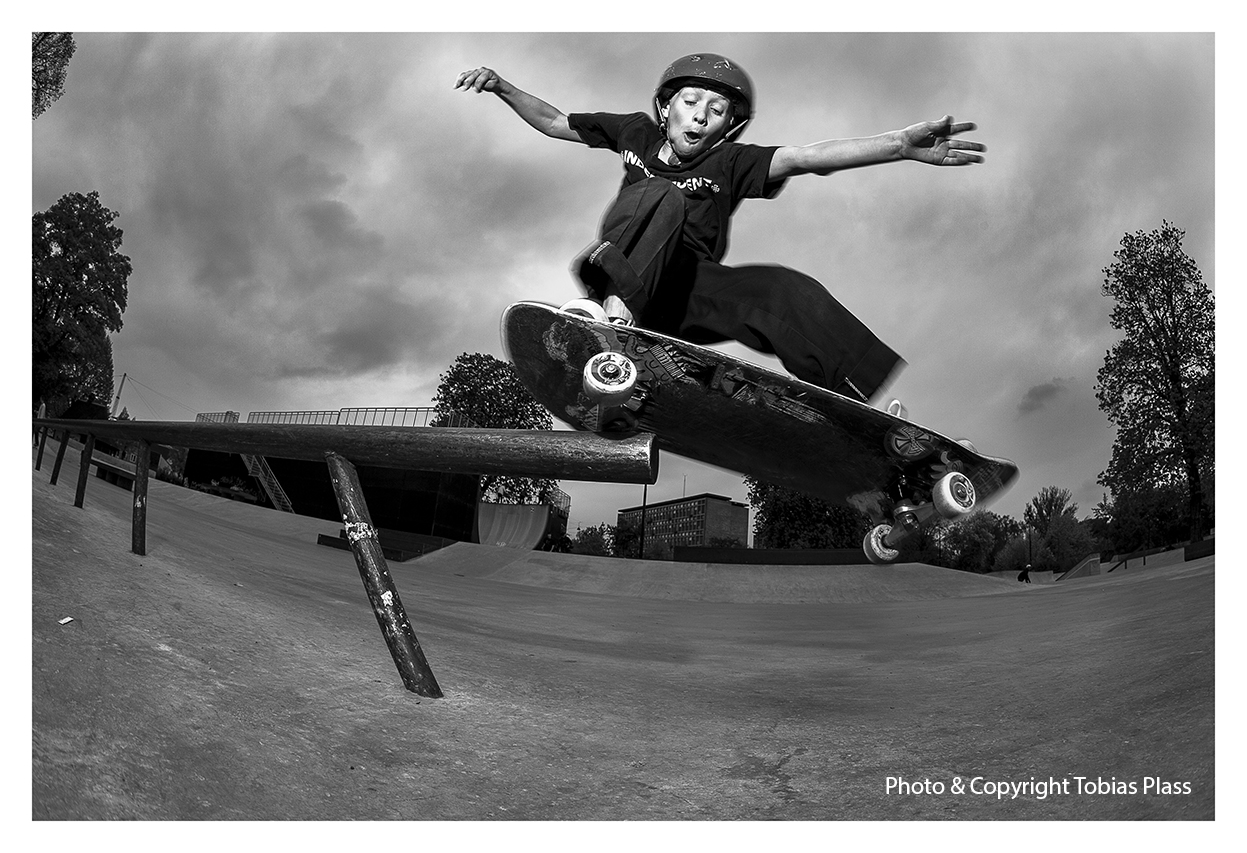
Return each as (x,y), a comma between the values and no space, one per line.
(1024,576)
(657,261)
(40,414)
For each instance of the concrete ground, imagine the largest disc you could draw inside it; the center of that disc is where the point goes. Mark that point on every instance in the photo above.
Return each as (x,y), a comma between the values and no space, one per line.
(237,672)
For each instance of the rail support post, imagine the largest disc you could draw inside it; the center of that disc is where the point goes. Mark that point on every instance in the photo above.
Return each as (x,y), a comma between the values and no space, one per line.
(138,525)
(84,471)
(386,605)
(60,457)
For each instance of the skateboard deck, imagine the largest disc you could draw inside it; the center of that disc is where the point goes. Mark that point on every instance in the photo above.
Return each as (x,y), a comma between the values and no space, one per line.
(708,406)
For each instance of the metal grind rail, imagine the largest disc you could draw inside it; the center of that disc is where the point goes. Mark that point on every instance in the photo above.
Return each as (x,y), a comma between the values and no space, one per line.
(521,453)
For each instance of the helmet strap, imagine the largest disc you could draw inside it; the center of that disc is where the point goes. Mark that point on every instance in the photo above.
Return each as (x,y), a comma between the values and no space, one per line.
(735,131)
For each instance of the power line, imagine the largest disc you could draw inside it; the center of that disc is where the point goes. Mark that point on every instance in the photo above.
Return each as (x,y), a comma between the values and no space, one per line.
(145,403)
(132,380)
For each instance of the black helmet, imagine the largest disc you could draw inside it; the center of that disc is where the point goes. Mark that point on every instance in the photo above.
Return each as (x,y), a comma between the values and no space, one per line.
(714,72)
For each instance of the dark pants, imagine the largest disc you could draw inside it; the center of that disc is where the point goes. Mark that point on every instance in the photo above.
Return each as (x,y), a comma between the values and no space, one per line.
(769,308)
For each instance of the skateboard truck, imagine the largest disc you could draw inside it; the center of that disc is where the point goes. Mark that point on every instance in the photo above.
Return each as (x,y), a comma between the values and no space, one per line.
(907,519)
(952,496)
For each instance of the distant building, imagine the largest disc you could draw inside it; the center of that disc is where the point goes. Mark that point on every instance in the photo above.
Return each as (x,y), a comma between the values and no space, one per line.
(699,521)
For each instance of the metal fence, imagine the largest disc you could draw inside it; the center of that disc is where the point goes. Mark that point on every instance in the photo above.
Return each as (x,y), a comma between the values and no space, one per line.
(388,416)
(293,417)
(217,418)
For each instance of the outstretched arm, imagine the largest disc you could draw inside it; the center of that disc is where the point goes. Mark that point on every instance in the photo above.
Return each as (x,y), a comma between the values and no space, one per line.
(927,142)
(540,115)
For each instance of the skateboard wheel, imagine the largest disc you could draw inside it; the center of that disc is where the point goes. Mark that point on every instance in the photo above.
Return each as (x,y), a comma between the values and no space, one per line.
(967,444)
(609,378)
(897,409)
(953,495)
(876,551)
(587,308)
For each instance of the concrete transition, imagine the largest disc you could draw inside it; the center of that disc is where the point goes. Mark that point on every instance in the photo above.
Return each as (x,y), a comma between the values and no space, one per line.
(520,526)
(235,672)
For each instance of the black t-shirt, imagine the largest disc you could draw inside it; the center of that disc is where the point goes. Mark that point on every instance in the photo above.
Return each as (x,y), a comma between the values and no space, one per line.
(714,183)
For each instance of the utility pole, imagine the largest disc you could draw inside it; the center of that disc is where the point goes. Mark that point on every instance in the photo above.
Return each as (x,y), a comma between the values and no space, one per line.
(644,502)
(117,402)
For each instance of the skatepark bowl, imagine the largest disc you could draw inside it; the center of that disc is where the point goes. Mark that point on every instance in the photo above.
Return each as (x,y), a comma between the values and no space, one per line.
(236,672)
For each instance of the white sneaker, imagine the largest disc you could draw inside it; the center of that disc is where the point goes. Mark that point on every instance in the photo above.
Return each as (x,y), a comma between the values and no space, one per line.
(589,308)
(617,312)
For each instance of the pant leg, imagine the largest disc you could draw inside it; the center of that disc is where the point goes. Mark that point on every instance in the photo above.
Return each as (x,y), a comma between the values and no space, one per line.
(777,310)
(641,234)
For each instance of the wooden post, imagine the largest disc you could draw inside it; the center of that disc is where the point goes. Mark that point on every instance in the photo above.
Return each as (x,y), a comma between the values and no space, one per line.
(60,456)
(43,442)
(138,526)
(386,605)
(88,450)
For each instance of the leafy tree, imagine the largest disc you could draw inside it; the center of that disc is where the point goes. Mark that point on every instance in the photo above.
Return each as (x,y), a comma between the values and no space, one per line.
(627,539)
(1100,524)
(487,392)
(595,541)
(1146,517)
(1157,382)
(1014,556)
(1057,539)
(88,371)
(79,295)
(627,543)
(786,518)
(1068,542)
(1049,505)
(975,541)
(928,545)
(50,54)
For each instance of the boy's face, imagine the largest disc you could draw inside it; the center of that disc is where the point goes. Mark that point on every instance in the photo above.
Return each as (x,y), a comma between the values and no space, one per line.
(697,119)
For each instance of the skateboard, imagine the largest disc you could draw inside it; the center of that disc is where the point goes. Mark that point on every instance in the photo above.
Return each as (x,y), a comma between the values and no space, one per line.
(706,405)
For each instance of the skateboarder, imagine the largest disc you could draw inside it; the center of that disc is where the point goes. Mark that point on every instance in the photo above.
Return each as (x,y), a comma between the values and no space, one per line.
(657,261)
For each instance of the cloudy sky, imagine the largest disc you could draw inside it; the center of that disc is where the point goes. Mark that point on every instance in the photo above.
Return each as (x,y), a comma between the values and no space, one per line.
(319,221)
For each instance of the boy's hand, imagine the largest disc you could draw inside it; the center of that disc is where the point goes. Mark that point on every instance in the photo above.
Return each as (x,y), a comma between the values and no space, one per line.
(480,80)
(932,142)
(539,115)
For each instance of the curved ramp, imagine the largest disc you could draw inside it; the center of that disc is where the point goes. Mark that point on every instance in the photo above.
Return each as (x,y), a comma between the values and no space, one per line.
(519,526)
(740,584)
(240,650)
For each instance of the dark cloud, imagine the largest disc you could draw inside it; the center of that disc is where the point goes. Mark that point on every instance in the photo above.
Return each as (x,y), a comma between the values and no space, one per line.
(1038,397)
(317,217)
(364,331)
